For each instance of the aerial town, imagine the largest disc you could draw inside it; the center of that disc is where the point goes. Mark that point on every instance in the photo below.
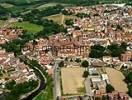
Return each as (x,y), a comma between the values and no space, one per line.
(92,60)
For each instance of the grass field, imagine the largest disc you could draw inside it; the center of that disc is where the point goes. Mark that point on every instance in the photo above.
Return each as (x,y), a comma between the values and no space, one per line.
(116,79)
(33,28)
(72,81)
(60,18)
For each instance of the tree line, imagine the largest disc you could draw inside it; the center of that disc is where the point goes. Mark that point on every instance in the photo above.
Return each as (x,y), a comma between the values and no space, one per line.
(114,50)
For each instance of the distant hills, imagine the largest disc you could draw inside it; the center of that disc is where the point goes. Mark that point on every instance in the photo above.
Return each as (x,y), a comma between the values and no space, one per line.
(21,2)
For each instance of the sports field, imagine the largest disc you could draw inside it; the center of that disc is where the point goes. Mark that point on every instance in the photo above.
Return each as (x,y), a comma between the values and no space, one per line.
(72,80)
(116,79)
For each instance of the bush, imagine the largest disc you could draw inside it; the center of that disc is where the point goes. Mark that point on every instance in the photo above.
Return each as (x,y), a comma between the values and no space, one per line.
(85,74)
(109,88)
(61,64)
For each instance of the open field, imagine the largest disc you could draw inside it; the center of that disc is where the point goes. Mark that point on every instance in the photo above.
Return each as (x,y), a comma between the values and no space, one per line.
(43,6)
(72,80)
(33,28)
(60,18)
(116,79)
(20,1)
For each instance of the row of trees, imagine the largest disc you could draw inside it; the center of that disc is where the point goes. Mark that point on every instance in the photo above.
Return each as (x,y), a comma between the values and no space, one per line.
(4,13)
(129,82)
(19,89)
(114,50)
(37,14)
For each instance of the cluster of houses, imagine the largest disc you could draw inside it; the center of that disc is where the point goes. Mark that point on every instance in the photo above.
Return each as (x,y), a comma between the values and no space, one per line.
(8,34)
(98,81)
(13,69)
(104,25)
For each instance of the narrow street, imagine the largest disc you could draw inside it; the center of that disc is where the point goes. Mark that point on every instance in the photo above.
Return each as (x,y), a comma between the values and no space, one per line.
(88,87)
(57,86)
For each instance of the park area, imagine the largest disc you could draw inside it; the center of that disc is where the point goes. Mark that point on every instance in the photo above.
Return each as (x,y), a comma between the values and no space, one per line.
(117,79)
(72,81)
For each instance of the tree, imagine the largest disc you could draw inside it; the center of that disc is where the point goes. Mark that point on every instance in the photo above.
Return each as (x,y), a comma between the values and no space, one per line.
(34,43)
(130,90)
(78,60)
(115,49)
(85,74)
(109,88)
(124,46)
(10,85)
(129,77)
(82,15)
(97,51)
(61,64)
(69,22)
(85,64)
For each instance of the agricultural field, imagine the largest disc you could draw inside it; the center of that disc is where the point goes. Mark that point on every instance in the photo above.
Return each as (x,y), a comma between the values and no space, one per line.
(60,18)
(72,81)
(20,1)
(117,79)
(33,28)
(43,6)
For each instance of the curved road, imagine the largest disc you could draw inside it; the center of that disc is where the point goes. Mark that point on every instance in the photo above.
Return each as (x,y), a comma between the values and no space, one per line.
(42,78)
(41,87)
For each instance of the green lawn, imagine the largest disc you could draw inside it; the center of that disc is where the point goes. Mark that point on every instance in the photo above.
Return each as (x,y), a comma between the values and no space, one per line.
(60,18)
(33,28)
